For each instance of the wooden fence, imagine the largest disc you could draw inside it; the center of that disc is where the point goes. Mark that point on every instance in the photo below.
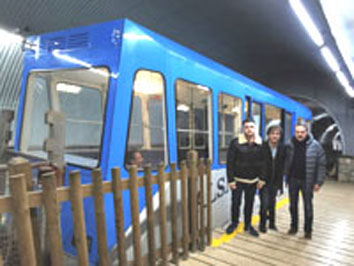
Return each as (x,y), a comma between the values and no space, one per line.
(195,212)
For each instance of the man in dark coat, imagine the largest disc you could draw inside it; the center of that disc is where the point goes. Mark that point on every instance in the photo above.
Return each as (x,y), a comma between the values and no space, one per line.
(274,154)
(244,172)
(306,172)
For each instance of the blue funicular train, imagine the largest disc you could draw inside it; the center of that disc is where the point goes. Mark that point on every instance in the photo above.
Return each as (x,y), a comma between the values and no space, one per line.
(124,88)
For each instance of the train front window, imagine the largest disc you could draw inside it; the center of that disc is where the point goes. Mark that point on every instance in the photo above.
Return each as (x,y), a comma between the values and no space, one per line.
(193,118)
(80,95)
(147,141)
(230,119)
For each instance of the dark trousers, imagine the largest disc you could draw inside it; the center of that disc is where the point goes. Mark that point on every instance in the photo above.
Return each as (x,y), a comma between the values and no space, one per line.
(268,196)
(296,185)
(250,191)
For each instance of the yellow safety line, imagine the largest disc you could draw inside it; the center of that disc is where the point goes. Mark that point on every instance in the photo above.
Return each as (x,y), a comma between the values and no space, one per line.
(255,219)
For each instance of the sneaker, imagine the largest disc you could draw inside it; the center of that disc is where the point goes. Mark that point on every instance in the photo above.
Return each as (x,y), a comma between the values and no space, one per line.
(273,227)
(292,231)
(308,235)
(252,231)
(262,229)
(231,228)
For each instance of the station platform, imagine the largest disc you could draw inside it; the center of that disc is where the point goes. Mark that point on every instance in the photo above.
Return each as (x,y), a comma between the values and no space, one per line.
(332,240)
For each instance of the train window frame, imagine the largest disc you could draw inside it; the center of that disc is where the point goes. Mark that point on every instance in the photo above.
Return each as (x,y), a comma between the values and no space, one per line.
(261,121)
(241,120)
(210,119)
(68,159)
(288,128)
(165,121)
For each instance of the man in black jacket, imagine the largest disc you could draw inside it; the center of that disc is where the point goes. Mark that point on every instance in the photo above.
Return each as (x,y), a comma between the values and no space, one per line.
(244,172)
(274,154)
(306,173)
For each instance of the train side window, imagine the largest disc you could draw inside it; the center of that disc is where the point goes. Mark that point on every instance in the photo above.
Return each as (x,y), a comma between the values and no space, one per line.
(229,121)
(257,116)
(193,119)
(247,106)
(147,129)
(288,126)
(272,116)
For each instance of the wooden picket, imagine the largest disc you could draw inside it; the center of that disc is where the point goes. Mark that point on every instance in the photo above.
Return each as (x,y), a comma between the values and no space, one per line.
(195,216)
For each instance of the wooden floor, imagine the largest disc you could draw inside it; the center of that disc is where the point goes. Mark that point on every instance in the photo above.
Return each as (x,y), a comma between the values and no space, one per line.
(332,240)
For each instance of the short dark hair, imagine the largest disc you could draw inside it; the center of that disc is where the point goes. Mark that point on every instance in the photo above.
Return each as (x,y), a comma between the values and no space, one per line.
(303,124)
(248,120)
(274,127)
(131,155)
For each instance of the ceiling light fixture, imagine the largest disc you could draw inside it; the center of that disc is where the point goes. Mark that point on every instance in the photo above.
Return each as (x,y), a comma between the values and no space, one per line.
(330,59)
(307,21)
(345,83)
(68,88)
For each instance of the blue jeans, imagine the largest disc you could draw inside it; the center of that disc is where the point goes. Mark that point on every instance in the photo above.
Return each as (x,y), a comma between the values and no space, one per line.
(296,185)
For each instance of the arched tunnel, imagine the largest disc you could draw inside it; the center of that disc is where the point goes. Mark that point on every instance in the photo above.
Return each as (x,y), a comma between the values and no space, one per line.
(326,129)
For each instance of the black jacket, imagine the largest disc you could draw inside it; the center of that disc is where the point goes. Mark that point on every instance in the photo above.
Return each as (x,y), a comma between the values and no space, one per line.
(315,162)
(274,168)
(243,160)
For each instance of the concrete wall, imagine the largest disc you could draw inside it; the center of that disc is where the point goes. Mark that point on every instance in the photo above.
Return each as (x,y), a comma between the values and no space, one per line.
(346,169)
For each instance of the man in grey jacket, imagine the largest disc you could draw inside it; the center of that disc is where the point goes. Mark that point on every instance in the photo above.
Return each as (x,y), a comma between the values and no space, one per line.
(306,169)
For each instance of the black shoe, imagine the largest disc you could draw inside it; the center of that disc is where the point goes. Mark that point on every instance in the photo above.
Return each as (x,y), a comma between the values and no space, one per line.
(262,229)
(308,235)
(292,231)
(273,227)
(252,231)
(231,228)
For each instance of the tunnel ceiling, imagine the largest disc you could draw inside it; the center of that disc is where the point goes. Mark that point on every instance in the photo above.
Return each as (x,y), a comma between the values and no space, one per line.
(261,39)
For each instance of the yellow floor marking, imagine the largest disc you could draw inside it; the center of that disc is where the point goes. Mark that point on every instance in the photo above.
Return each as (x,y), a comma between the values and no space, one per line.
(255,219)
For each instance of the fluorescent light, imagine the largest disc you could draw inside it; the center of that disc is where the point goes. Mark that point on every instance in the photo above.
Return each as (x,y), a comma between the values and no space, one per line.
(342,79)
(320,116)
(338,14)
(203,88)
(183,108)
(236,109)
(345,83)
(147,87)
(9,37)
(330,59)
(307,22)
(349,90)
(68,88)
